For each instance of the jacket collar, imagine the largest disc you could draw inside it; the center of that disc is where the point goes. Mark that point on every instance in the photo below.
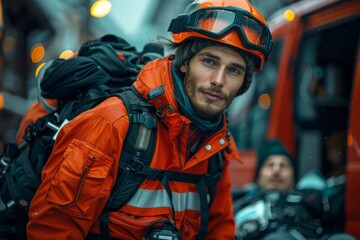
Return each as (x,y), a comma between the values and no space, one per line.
(155,74)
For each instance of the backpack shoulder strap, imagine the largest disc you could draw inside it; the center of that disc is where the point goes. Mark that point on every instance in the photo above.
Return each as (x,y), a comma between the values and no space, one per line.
(137,151)
(138,147)
(209,183)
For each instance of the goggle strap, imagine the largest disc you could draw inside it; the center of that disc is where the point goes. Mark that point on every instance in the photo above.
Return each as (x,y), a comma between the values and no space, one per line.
(179,24)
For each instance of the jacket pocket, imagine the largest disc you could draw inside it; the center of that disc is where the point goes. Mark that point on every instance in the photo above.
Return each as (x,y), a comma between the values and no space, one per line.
(79,182)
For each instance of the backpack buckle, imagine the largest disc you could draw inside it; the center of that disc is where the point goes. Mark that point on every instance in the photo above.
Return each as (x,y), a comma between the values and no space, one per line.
(160,109)
(135,165)
(148,120)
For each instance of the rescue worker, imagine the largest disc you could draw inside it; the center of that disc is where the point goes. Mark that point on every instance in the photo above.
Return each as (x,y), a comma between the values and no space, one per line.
(218,44)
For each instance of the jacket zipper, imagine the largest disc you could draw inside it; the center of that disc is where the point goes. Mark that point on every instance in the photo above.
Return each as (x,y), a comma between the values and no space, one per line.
(82,181)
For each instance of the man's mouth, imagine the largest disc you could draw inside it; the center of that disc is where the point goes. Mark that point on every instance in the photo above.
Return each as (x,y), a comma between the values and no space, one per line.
(213,95)
(276,180)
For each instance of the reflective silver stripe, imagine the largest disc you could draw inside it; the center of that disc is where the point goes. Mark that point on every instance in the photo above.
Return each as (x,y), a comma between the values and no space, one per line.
(186,201)
(159,198)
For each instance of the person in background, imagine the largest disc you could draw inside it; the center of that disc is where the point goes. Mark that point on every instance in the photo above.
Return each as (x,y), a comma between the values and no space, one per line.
(276,168)
(218,44)
(335,150)
(276,208)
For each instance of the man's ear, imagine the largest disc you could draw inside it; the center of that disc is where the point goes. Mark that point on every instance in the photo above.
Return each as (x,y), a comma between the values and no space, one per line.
(184,67)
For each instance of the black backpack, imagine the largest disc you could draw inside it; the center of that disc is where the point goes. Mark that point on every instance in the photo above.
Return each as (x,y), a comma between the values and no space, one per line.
(103,68)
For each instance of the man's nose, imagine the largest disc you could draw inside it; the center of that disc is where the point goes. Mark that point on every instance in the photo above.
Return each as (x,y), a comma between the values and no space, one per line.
(218,78)
(276,168)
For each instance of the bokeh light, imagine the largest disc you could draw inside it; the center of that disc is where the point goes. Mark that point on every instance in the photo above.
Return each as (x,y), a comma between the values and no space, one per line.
(66,54)
(37,53)
(289,15)
(100,8)
(264,101)
(1,101)
(38,69)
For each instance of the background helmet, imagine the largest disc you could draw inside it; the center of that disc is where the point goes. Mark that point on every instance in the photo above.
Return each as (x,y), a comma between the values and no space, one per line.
(233,22)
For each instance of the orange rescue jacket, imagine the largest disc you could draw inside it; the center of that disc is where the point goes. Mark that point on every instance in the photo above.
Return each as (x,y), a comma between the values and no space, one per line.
(83,166)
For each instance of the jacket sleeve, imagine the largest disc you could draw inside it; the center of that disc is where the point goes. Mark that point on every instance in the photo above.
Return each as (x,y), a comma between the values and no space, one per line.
(78,177)
(221,223)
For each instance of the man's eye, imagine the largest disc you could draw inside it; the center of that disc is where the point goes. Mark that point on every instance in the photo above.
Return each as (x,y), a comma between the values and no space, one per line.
(208,61)
(268,165)
(285,165)
(235,71)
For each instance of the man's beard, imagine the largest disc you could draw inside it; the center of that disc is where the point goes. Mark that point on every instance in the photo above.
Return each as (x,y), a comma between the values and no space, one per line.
(206,110)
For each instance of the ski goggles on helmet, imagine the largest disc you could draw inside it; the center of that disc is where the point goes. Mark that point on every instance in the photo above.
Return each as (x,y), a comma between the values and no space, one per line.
(215,22)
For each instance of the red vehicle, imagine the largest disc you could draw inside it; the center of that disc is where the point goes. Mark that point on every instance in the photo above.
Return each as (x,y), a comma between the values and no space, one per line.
(308,92)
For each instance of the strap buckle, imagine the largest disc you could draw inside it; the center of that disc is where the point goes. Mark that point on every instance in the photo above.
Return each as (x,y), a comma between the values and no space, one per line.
(135,165)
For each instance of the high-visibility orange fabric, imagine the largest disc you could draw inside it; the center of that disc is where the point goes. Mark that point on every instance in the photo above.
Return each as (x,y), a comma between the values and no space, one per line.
(35,111)
(65,207)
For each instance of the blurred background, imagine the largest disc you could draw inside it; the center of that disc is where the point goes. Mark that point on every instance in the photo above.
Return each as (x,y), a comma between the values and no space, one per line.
(33,32)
